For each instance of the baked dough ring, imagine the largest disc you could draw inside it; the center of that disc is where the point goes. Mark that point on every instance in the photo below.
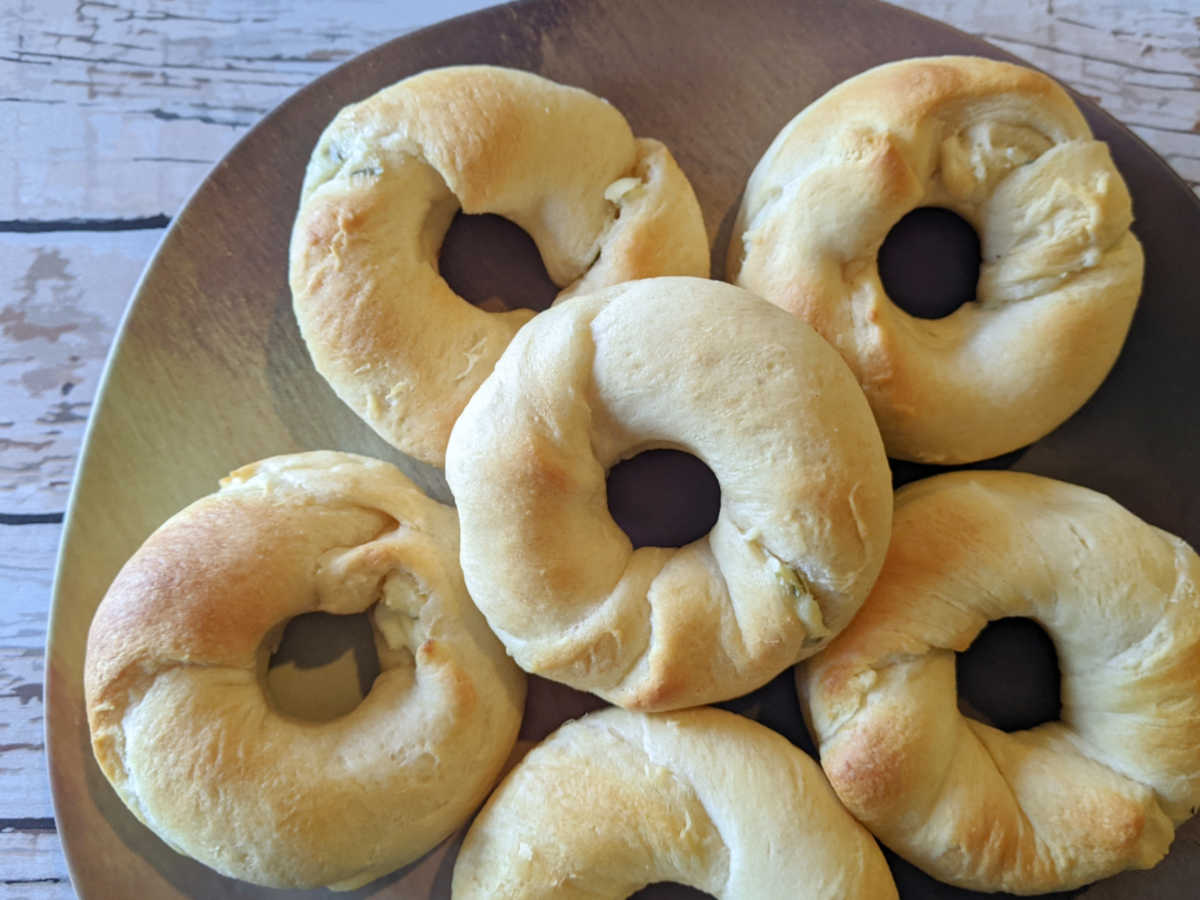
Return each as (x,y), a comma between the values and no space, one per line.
(1058,805)
(382,187)
(1005,148)
(698,366)
(177,654)
(617,800)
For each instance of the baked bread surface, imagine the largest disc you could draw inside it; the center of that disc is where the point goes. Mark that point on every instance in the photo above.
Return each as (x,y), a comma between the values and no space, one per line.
(384,183)
(1066,802)
(687,364)
(617,800)
(1005,148)
(180,718)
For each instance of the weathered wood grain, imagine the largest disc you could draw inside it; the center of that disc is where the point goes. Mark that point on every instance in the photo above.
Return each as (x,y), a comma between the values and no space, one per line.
(29,850)
(1140,61)
(24,791)
(62,300)
(32,864)
(118,109)
(26,561)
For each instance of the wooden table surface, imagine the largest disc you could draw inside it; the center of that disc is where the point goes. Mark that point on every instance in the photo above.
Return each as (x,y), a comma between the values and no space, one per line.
(114,111)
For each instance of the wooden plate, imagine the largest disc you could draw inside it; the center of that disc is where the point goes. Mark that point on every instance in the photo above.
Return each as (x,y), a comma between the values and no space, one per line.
(209,370)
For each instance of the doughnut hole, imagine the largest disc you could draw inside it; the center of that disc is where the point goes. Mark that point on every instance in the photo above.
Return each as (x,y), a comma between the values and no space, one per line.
(929,262)
(493,263)
(1009,676)
(663,498)
(667,890)
(323,667)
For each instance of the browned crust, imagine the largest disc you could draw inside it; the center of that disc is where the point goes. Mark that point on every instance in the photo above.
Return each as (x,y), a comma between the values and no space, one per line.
(1009,367)
(180,721)
(1046,809)
(681,362)
(385,180)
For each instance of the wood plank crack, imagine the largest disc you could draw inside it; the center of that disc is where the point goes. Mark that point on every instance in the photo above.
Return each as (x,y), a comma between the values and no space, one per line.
(40,226)
(28,824)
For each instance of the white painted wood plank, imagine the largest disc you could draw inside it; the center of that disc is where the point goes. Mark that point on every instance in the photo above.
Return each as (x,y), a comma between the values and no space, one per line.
(27,554)
(33,865)
(120,109)
(61,300)
(26,562)
(1140,61)
(24,785)
(55,889)
(30,854)
(26,810)
(36,890)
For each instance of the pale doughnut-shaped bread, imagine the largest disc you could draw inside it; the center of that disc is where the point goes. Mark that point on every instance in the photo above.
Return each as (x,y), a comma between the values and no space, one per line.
(617,800)
(693,365)
(383,185)
(1005,148)
(1065,802)
(182,725)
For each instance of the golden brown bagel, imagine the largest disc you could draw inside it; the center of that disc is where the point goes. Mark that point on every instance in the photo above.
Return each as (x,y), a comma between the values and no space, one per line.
(1058,805)
(1005,148)
(698,366)
(177,653)
(617,800)
(386,179)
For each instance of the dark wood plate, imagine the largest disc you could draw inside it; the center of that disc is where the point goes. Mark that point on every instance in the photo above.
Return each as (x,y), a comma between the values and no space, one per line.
(209,370)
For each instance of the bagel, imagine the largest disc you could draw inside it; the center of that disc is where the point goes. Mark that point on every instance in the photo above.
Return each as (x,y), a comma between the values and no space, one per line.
(1058,805)
(1005,148)
(617,800)
(383,185)
(692,365)
(181,723)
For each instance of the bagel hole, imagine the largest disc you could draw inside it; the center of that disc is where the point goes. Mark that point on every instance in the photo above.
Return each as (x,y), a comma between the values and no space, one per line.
(667,890)
(929,262)
(663,498)
(1009,676)
(323,667)
(494,264)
